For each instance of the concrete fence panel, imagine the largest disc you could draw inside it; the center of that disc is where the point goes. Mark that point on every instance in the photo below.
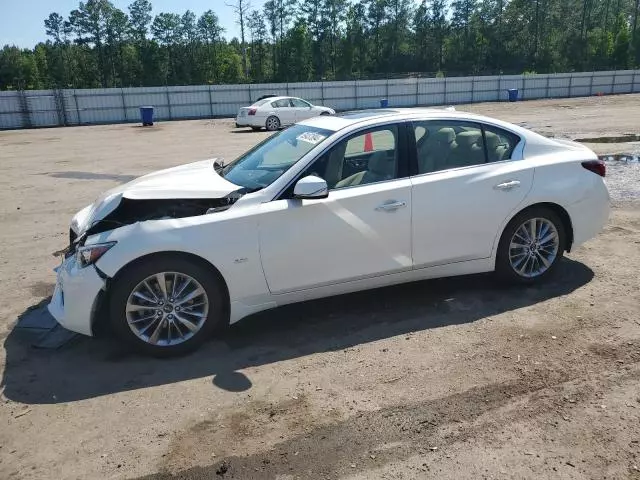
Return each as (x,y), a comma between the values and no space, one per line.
(42,108)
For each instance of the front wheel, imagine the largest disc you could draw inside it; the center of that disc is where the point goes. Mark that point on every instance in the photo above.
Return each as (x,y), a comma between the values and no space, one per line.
(273,123)
(531,246)
(166,306)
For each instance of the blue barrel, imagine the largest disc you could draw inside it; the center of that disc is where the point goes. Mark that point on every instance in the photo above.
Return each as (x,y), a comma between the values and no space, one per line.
(513,94)
(146,114)
(384,103)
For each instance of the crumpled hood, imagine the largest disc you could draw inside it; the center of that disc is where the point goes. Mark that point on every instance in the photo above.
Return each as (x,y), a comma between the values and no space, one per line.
(193,180)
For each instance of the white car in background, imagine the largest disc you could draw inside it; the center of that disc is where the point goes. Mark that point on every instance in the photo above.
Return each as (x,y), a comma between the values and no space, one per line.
(328,206)
(276,112)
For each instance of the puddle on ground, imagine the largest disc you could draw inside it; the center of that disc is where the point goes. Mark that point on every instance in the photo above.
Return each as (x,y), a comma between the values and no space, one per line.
(623,175)
(629,137)
(93,176)
(620,157)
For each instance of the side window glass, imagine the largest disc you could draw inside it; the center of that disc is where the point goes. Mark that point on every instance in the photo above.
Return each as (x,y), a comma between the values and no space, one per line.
(442,145)
(367,157)
(500,143)
(282,103)
(299,103)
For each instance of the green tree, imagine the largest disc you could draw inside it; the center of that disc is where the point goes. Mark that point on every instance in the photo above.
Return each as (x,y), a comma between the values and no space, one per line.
(140,18)
(211,32)
(241,9)
(258,33)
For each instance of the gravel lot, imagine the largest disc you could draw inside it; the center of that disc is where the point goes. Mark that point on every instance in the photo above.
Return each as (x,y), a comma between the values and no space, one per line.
(448,379)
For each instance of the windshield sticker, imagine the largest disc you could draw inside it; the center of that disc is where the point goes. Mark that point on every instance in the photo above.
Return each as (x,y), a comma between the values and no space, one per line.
(311,137)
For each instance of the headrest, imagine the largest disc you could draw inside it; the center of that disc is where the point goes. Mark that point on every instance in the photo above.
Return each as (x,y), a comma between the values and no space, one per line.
(445,135)
(493,140)
(467,139)
(380,164)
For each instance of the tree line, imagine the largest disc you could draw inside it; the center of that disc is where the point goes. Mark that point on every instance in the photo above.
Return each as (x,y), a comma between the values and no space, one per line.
(99,45)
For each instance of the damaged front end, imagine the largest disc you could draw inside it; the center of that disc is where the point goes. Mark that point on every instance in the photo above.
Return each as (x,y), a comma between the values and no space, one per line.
(130,211)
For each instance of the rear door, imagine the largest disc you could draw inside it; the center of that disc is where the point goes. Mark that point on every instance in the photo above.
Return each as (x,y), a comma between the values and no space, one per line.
(465,187)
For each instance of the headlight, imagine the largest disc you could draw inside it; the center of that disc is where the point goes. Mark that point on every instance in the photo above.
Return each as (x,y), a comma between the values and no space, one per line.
(90,254)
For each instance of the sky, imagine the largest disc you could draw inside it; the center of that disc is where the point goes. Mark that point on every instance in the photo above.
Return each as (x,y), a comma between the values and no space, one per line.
(22,21)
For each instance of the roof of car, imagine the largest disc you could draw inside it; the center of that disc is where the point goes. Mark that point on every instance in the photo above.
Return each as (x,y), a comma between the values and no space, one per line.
(344,119)
(276,97)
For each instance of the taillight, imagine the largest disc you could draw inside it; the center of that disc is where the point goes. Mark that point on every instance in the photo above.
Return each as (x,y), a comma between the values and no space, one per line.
(252,111)
(596,166)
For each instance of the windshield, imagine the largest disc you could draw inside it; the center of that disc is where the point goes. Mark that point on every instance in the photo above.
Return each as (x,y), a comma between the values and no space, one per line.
(267,161)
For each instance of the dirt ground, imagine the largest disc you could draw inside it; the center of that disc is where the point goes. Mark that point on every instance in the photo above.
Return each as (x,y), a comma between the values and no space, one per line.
(447,379)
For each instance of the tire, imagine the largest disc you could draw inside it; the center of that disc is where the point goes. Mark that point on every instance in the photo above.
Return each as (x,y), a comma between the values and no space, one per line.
(238,126)
(272,123)
(199,317)
(256,129)
(512,264)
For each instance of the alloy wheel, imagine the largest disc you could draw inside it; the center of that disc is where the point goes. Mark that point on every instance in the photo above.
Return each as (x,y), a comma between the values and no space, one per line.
(534,247)
(167,308)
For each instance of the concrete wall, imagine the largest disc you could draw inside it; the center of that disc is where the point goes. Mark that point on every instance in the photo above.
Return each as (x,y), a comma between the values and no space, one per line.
(45,108)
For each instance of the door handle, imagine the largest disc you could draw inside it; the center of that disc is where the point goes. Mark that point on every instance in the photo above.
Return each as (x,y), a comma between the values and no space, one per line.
(507,185)
(391,206)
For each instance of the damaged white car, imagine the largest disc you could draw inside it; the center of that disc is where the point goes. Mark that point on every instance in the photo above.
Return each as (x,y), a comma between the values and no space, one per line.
(328,206)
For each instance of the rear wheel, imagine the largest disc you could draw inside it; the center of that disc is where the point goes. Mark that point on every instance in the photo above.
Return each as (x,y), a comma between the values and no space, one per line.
(531,246)
(273,123)
(166,306)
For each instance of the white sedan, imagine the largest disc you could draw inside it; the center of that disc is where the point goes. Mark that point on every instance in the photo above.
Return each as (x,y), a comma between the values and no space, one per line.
(276,112)
(328,206)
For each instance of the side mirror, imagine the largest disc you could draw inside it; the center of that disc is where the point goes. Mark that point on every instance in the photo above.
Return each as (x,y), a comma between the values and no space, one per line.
(311,187)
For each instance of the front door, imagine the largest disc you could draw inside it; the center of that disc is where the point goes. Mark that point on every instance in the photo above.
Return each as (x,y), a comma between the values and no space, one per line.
(363,228)
(464,192)
(302,109)
(285,112)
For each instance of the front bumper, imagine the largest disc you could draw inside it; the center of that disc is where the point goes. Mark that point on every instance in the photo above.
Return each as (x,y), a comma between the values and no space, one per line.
(75,297)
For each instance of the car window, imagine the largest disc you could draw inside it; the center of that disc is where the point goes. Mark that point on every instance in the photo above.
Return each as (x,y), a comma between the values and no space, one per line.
(500,143)
(259,103)
(446,144)
(282,103)
(300,103)
(267,161)
(367,157)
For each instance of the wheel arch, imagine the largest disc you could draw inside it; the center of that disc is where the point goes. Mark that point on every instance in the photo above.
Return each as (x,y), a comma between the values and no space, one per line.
(101,316)
(555,208)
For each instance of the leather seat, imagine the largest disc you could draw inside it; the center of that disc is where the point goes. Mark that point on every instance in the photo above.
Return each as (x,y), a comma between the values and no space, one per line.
(434,153)
(335,162)
(495,148)
(379,168)
(469,150)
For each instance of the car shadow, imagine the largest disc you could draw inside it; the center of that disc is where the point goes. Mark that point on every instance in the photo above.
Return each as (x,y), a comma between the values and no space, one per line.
(94,367)
(249,130)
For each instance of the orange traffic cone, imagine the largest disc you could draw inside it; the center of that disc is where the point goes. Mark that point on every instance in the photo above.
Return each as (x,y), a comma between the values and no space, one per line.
(368,142)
